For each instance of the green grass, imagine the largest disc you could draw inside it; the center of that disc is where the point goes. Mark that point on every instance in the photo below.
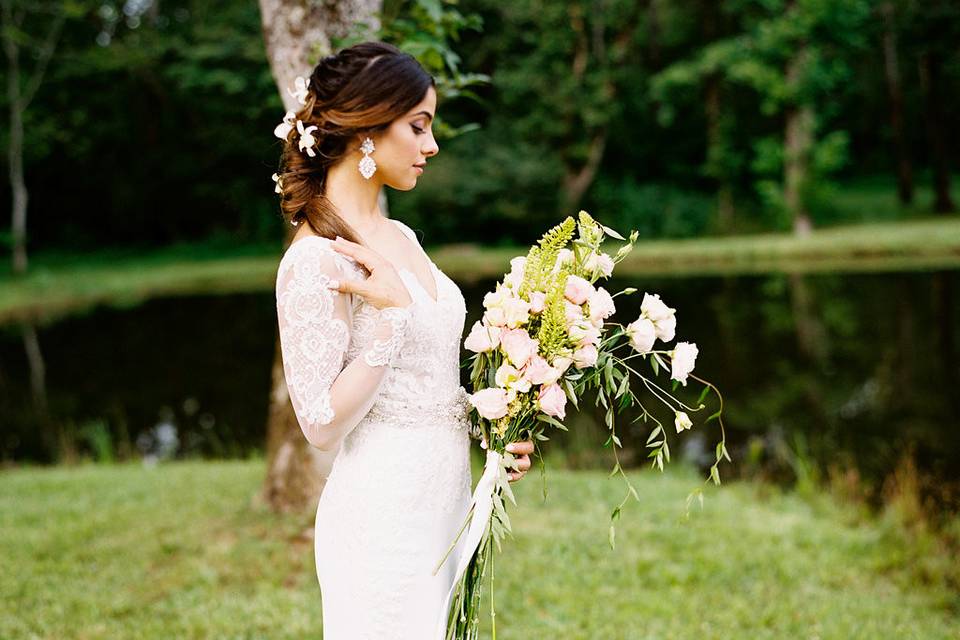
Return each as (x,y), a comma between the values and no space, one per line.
(181,551)
(59,284)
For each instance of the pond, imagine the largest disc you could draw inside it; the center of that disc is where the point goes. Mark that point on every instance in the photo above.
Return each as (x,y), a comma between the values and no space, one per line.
(849,370)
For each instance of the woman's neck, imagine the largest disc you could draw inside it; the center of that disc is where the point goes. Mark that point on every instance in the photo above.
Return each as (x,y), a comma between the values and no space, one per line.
(356,198)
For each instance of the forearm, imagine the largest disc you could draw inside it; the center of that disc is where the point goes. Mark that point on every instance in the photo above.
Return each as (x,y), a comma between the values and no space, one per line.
(356,388)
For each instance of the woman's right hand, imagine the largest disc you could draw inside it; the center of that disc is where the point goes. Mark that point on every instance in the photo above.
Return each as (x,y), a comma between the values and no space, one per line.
(383,287)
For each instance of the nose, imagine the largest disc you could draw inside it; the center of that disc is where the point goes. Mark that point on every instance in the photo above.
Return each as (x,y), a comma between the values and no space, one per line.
(431,148)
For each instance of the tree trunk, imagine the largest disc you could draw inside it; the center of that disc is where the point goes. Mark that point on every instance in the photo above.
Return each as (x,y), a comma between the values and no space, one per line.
(19,97)
(297,34)
(18,186)
(577,181)
(895,90)
(713,110)
(797,147)
(931,69)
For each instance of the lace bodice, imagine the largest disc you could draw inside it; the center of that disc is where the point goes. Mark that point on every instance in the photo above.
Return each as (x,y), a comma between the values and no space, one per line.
(344,360)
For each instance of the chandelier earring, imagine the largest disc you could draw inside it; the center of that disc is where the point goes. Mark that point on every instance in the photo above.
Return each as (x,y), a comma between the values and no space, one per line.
(367,165)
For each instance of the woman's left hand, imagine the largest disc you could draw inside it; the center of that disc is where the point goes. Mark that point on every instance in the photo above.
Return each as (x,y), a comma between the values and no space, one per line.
(521,456)
(521,452)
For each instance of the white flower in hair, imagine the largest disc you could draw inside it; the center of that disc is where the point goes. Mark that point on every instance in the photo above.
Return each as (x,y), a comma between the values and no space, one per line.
(279,187)
(300,91)
(306,138)
(283,129)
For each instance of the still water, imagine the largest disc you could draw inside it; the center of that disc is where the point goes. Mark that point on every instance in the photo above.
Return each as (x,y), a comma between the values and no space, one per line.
(851,371)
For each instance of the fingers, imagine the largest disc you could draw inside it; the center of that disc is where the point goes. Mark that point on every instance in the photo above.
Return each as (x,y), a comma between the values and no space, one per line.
(521,461)
(524,447)
(364,255)
(349,286)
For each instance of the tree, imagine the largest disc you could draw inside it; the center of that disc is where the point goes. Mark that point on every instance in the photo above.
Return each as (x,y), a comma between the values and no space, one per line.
(793,55)
(18,21)
(296,38)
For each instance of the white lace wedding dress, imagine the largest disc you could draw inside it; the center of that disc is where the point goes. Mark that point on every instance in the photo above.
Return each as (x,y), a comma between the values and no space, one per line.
(399,488)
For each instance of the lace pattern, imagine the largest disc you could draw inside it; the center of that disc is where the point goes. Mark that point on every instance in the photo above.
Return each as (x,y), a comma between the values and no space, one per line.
(312,336)
(383,351)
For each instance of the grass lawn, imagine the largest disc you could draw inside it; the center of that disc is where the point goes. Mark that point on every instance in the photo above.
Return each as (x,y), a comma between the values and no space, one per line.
(59,284)
(181,551)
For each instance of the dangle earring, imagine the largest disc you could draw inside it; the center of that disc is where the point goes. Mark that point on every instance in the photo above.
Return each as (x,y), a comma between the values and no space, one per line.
(367,165)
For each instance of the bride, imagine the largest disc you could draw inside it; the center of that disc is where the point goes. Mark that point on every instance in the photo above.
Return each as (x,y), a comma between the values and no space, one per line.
(370,332)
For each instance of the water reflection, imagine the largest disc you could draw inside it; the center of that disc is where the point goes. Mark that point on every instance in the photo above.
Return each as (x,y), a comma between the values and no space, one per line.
(850,369)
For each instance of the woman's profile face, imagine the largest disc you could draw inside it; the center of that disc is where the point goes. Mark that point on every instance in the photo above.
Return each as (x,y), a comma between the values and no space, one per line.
(408,141)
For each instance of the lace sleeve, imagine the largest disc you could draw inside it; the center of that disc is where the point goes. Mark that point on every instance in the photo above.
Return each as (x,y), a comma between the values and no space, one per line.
(314,320)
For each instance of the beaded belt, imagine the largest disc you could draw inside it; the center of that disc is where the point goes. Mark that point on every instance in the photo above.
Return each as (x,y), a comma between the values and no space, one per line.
(453,409)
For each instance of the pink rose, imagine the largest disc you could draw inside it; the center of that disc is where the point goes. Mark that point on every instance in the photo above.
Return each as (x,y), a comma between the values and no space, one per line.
(572,312)
(490,403)
(518,345)
(577,290)
(539,371)
(584,333)
(562,363)
(482,338)
(553,401)
(537,300)
(585,356)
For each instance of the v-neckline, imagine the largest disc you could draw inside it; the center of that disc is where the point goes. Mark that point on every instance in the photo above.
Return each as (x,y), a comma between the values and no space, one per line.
(431,267)
(430,264)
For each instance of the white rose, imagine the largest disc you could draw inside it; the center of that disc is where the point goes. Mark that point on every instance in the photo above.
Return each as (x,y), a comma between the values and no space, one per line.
(493,299)
(516,311)
(508,377)
(682,359)
(495,317)
(600,264)
(642,334)
(600,304)
(654,308)
(584,333)
(666,328)
(515,277)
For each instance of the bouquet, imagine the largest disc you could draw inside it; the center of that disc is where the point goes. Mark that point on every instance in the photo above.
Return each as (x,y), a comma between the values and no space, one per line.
(544,341)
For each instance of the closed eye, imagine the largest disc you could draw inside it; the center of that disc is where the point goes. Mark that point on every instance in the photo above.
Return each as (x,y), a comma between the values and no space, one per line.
(417,129)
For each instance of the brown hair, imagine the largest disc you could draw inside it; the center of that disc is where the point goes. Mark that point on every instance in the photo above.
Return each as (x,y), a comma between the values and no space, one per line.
(360,90)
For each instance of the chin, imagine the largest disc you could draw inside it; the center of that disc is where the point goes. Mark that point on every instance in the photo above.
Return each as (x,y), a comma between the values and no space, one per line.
(404,186)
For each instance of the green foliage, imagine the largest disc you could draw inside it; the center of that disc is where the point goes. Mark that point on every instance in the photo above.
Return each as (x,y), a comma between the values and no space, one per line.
(429,30)
(552,334)
(155,123)
(541,258)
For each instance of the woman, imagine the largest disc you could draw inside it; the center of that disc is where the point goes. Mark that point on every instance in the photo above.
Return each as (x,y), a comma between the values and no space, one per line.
(370,332)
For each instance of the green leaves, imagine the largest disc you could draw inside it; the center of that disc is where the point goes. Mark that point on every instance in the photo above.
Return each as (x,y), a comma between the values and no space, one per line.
(542,417)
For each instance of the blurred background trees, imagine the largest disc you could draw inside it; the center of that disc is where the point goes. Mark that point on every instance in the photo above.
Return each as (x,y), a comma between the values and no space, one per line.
(153,124)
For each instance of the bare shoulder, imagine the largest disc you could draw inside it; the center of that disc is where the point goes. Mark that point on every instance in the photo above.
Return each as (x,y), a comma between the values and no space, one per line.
(407,231)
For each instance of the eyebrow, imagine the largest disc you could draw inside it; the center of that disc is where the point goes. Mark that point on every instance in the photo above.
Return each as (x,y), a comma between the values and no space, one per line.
(426,113)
